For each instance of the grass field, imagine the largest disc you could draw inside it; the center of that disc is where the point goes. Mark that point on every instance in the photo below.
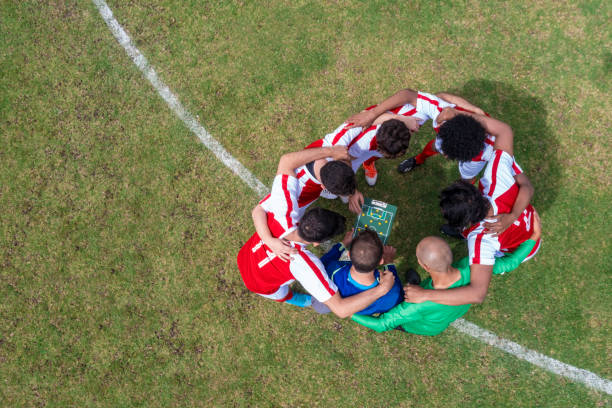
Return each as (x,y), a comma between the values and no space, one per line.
(119,229)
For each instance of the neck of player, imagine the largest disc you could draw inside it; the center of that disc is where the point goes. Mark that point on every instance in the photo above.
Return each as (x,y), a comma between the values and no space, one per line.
(365,279)
(317,168)
(293,236)
(446,279)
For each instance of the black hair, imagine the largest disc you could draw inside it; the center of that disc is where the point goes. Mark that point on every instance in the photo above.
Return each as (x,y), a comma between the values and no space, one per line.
(338,178)
(319,224)
(392,138)
(463,205)
(366,251)
(462,137)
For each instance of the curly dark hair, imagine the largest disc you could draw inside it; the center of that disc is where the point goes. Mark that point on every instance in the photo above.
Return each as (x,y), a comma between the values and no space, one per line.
(339,178)
(366,251)
(392,138)
(463,205)
(319,224)
(462,137)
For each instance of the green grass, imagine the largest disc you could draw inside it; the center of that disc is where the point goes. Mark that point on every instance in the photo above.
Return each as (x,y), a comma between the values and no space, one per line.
(119,230)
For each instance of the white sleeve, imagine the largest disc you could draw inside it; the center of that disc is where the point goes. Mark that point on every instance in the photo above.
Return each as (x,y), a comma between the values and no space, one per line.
(310,272)
(482,248)
(282,202)
(342,136)
(362,147)
(470,169)
(431,106)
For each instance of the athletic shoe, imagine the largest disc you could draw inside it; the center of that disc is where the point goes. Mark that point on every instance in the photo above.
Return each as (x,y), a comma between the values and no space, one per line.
(412,277)
(300,300)
(326,194)
(371,175)
(451,232)
(407,165)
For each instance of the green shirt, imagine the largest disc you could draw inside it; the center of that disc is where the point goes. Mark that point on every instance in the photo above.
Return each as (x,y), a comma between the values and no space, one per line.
(429,318)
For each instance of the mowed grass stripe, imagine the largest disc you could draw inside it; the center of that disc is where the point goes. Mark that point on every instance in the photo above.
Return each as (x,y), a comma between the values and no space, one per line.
(586,377)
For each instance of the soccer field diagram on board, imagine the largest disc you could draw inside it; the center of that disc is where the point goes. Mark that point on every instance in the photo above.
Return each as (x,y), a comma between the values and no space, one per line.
(378,216)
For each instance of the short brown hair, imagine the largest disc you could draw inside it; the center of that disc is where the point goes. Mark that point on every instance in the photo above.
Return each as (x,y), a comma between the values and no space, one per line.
(366,251)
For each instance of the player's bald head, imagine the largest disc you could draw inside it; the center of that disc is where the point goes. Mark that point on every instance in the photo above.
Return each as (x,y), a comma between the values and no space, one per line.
(435,253)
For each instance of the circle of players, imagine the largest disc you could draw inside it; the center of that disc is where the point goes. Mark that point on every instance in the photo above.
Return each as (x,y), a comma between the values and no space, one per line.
(357,277)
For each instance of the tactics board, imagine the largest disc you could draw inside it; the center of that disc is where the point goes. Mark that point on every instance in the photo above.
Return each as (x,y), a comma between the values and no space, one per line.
(377,216)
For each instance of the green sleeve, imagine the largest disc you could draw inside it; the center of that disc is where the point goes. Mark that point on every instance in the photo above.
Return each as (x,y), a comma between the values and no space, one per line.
(511,261)
(400,314)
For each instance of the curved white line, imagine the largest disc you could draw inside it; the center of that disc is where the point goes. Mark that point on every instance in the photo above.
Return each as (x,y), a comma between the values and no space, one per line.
(576,374)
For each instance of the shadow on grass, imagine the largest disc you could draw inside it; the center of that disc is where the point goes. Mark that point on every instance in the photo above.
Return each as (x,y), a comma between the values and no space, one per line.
(535,144)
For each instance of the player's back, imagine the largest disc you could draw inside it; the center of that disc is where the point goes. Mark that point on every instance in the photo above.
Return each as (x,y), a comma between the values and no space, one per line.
(262,271)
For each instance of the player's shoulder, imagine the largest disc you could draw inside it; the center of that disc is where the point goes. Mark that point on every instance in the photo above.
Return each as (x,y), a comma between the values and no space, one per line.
(304,257)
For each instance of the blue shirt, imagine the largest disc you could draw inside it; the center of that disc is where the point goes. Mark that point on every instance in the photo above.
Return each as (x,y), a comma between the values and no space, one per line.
(339,271)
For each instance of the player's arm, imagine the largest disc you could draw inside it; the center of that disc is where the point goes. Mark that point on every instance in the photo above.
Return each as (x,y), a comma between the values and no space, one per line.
(474,292)
(459,101)
(355,202)
(399,315)
(411,122)
(280,247)
(511,261)
(365,118)
(504,137)
(290,161)
(503,221)
(345,307)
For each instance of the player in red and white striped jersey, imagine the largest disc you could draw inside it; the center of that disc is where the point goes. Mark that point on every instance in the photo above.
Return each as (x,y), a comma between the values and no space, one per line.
(292,193)
(388,137)
(269,276)
(426,106)
(504,192)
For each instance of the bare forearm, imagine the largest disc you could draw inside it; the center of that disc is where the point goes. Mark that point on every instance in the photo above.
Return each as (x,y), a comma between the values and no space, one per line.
(524,195)
(400,98)
(459,101)
(260,220)
(464,295)
(345,307)
(290,161)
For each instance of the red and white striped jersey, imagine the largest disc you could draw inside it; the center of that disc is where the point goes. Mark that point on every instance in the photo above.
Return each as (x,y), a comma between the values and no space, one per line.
(470,169)
(282,204)
(430,106)
(362,143)
(500,187)
(264,273)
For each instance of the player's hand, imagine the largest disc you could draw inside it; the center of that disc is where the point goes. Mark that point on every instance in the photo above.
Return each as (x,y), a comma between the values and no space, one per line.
(355,202)
(348,237)
(281,248)
(414,294)
(446,114)
(388,254)
(386,281)
(411,123)
(537,226)
(503,221)
(362,119)
(340,153)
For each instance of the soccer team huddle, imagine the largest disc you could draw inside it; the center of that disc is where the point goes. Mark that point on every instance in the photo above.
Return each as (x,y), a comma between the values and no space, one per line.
(357,277)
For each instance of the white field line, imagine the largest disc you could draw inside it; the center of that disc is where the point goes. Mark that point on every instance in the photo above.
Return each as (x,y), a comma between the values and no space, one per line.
(167,95)
(550,364)
(555,366)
